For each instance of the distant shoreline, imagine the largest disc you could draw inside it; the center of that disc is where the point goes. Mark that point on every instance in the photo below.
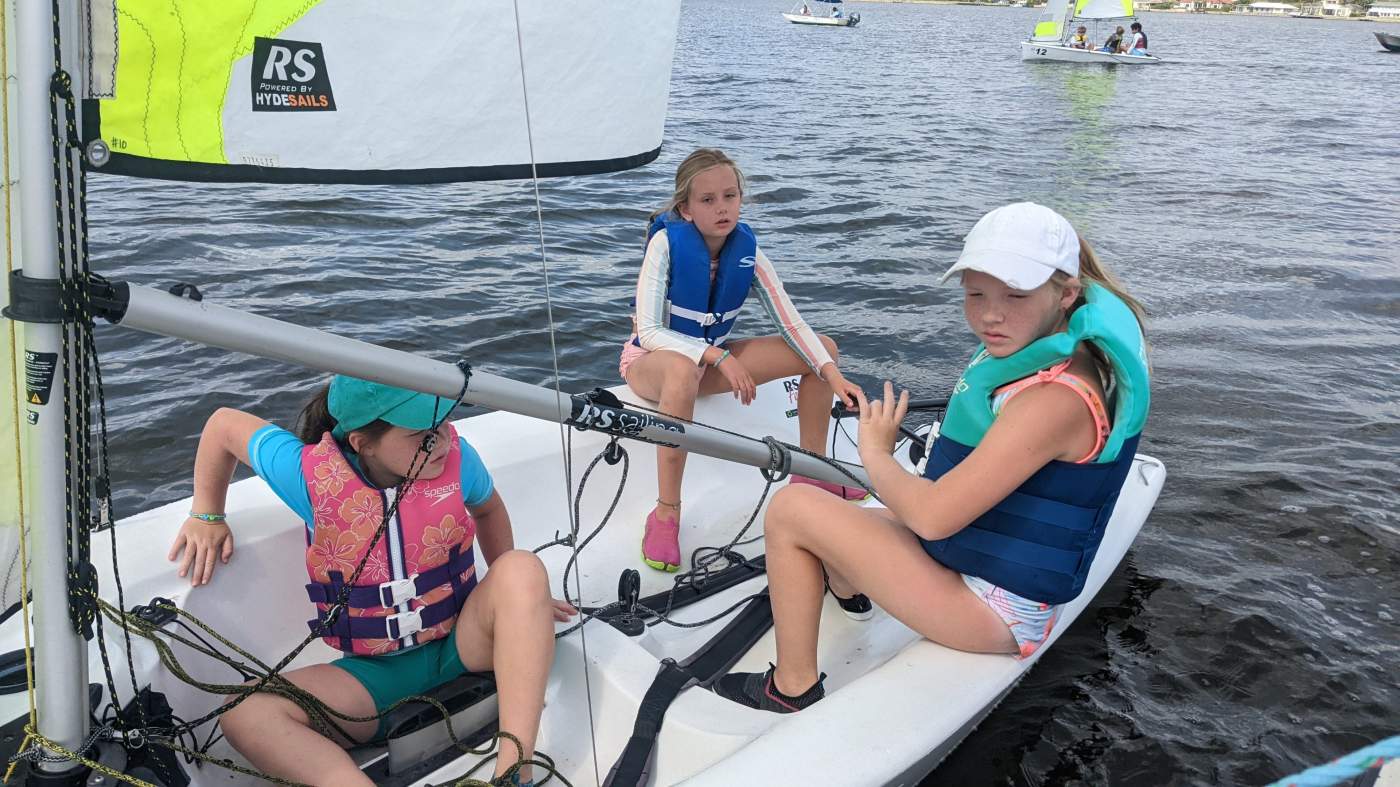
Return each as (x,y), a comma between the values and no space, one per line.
(1371,19)
(928,2)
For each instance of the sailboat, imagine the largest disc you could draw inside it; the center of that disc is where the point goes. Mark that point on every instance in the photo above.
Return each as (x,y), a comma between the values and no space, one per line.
(805,14)
(334,93)
(1050,38)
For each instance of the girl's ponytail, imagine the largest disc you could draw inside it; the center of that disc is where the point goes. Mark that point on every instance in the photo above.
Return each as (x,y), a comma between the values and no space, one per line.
(1090,269)
(316,419)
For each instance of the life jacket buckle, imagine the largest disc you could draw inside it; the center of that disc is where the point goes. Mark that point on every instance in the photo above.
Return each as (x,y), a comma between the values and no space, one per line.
(404,624)
(398,591)
(711,318)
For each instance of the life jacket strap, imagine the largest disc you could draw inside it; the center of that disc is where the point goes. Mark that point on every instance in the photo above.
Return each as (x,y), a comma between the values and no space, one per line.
(396,626)
(396,591)
(704,318)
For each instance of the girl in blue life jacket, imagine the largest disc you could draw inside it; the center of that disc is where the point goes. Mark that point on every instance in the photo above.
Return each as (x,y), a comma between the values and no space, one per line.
(980,551)
(701,264)
(416,615)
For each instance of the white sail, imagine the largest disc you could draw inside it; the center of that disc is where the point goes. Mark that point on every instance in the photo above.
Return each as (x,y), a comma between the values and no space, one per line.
(1051,25)
(1103,9)
(410,91)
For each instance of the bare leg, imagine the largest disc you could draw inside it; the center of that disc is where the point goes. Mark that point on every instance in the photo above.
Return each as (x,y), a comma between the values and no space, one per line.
(508,621)
(768,358)
(672,381)
(839,584)
(806,527)
(276,735)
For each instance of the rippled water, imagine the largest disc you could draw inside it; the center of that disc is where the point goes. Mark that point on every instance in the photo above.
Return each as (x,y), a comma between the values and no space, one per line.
(1246,190)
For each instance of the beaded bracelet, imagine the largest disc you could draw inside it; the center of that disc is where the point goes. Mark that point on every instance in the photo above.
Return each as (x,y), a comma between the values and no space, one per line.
(210,518)
(721,358)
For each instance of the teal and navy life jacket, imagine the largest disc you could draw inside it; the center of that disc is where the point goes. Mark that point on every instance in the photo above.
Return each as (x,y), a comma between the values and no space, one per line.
(696,306)
(1040,541)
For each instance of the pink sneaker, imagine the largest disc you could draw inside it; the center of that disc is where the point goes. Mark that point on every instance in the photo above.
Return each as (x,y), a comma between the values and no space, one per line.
(661,544)
(843,492)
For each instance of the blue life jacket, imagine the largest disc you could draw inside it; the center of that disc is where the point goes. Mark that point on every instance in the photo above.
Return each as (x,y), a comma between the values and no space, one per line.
(1040,541)
(696,308)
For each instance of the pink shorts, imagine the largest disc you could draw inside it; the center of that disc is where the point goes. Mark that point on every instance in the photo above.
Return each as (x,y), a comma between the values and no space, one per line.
(631,352)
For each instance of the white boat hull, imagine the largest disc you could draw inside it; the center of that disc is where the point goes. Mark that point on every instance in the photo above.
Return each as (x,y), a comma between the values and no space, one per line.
(804,19)
(896,704)
(1036,50)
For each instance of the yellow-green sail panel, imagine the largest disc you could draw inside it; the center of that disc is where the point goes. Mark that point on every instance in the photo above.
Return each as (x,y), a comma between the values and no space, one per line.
(173,71)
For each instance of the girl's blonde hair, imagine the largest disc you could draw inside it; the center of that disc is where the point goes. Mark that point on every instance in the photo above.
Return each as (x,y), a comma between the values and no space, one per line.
(1091,270)
(697,162)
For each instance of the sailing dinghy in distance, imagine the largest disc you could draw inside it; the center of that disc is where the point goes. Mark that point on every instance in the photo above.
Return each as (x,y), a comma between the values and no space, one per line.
(1050,38)
(804,14)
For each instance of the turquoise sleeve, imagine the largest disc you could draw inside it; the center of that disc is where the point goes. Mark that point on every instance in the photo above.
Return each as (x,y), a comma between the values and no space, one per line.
(275,455)
(477,485)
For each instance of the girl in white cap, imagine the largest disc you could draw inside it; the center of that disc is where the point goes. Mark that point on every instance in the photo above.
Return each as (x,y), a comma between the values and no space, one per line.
(411,611)
(979,551)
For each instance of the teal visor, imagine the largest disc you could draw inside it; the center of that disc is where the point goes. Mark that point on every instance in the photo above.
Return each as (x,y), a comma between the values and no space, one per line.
(355,403)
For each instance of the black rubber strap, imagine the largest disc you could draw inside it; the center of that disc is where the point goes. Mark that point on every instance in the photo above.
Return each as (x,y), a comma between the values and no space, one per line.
(704,667)
(685,595)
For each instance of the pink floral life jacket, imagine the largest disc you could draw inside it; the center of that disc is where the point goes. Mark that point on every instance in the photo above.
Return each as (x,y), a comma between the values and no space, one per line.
(420,570)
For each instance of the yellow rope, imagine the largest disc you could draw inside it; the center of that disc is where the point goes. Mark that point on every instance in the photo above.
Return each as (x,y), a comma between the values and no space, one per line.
(14,369)
(9,772)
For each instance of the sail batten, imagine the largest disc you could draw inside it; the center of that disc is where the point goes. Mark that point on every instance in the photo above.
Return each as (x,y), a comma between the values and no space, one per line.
(414,91)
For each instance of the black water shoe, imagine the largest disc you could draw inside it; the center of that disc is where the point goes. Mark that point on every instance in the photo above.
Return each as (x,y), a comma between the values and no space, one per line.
(857,607)
(756,690)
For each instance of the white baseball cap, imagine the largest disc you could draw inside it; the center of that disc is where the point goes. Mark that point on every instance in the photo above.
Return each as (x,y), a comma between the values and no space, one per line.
(1023,244)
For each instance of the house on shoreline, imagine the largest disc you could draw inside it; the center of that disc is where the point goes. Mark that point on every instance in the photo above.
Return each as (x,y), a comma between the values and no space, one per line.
(1204,6)
(1328,9)
(1265,8)
(1384,9)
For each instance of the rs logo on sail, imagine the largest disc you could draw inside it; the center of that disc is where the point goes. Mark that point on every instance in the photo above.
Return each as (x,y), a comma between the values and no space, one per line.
(290,76)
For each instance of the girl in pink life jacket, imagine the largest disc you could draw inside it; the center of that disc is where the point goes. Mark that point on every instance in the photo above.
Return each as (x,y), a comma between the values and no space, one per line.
(701,264)
(418,613)
(1024,272)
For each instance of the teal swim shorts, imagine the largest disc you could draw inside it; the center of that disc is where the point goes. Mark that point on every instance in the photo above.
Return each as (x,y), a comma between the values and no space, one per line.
(393,676)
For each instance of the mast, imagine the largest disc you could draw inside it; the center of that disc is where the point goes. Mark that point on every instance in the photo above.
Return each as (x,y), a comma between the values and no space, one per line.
(62,679)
